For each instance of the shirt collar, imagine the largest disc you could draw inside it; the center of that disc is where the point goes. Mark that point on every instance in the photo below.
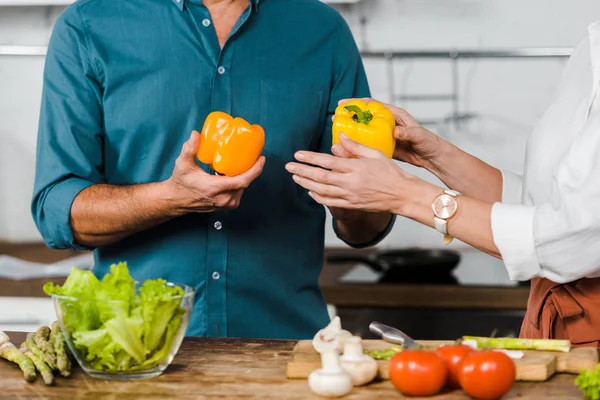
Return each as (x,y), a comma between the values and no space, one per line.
(181,3)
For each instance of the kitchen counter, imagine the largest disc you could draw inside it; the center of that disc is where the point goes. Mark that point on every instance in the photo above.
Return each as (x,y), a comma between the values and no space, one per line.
(415,295)
(230,368)
(335,292)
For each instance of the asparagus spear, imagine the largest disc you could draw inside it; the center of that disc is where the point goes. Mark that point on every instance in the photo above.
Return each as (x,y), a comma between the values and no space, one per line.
(41,341)
(41,366)
(30,342)
(520,344)
(62,359)
(9,352)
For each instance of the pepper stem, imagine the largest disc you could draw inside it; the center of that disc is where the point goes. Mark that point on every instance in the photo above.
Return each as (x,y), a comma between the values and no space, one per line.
(360,116)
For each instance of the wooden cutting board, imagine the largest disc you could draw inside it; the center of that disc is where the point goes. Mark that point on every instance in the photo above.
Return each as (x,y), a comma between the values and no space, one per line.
(534,366)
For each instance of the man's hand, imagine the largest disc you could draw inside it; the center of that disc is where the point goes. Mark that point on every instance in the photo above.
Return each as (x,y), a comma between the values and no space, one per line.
(103,214)
(197,191)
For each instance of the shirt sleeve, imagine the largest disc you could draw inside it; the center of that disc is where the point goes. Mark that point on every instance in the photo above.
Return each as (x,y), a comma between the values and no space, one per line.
(69,143)
(512,187)
(350,81)
(558,240)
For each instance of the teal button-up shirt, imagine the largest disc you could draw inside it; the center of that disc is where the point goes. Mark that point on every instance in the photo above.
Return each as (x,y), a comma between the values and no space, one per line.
(125,83)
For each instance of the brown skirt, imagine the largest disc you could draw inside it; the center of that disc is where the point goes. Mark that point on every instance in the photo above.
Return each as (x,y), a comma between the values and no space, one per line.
(564,311)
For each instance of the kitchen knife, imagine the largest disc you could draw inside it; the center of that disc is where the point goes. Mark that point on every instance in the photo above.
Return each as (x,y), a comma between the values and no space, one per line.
(394,335)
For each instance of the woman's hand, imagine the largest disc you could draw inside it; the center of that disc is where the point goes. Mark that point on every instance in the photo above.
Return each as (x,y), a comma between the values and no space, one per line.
(369,182)
(414,144)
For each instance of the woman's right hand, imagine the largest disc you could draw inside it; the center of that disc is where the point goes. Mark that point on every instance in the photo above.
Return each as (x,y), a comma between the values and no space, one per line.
(414,144)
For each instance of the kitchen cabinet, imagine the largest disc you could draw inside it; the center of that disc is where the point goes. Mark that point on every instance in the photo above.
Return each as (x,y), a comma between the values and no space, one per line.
(25,313)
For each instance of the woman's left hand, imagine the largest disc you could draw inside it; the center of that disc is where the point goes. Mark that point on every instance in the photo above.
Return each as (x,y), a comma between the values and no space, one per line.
(369,181)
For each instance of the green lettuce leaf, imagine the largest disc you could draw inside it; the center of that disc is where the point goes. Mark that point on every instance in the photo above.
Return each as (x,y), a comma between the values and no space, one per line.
(589,383)
(159,303)
(98,348)
(170,336)
(82,314)
(113,328)
(80,283)
(127,333)
(116,293)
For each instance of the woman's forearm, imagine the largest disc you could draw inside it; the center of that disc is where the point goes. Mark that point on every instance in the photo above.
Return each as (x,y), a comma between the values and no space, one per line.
(467,174)
(471,224)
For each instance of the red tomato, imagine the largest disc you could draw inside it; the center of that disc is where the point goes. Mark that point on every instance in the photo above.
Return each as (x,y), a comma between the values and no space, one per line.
(487,375)
(453,355)
(418,373)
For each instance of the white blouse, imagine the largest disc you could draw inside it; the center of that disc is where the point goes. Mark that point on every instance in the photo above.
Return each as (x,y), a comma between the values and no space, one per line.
(548,223)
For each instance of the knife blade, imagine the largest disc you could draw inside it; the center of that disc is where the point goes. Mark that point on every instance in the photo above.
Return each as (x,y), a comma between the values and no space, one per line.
(393,335)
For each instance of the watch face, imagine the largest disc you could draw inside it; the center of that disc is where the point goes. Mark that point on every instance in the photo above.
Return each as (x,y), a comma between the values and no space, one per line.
(444,206)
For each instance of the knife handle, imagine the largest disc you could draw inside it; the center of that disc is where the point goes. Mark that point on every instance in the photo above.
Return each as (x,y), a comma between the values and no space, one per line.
(387,333)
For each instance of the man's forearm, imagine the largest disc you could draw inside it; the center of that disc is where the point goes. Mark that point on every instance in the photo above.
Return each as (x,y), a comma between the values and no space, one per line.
(467,174)
(104,214)
(364,228)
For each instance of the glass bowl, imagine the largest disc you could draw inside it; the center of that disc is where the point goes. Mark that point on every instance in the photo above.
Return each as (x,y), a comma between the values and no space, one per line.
(118,339)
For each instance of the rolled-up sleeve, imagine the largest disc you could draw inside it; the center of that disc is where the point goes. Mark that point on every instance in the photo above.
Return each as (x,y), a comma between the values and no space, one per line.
(350,82)
(558,240)
(69,142)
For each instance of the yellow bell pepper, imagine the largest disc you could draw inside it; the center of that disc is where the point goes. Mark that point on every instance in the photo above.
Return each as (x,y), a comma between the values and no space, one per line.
(230,146)
(369,124)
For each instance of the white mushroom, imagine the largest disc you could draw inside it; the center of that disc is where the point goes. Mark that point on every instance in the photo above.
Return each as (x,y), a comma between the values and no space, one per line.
(331,380)
(331,337)
(361,367)
(4,338)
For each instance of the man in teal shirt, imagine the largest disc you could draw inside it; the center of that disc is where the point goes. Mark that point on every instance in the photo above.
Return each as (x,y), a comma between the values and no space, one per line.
(126,82)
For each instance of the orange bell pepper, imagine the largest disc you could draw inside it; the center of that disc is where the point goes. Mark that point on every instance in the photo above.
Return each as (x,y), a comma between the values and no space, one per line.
(230,146)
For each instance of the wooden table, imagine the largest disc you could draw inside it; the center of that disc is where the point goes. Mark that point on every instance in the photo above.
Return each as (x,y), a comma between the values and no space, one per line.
(230,368)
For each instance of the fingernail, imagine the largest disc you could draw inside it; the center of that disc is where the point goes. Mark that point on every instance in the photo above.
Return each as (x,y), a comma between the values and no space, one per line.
(296,178)
(336,147)
(290,167)
(299,156)
(343,135)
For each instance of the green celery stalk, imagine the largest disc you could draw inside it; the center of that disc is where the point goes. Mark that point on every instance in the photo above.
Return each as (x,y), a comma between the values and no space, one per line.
(520,344)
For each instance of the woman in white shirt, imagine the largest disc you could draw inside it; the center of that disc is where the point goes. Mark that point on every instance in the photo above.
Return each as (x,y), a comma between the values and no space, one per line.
(544,225)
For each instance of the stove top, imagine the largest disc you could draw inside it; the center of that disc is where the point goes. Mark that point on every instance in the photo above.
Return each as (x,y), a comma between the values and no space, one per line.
(475,268)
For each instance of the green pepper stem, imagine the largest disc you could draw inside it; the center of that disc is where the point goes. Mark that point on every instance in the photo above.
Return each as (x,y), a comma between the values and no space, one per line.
(360,116)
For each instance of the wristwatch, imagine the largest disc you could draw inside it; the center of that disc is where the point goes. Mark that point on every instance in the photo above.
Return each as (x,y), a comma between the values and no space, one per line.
(444,208)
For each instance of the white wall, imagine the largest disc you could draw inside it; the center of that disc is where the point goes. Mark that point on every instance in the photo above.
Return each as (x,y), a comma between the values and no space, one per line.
(510,95)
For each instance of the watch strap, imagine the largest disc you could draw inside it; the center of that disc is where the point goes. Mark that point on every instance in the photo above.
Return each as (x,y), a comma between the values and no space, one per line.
(441,225)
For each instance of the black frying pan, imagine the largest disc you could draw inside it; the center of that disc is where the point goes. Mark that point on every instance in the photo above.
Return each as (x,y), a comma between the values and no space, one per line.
(407,265)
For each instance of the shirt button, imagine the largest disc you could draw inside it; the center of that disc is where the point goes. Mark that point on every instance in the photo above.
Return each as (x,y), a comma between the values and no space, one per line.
(179,1)
(215,275)
(205,22)
(221,70)
(218,225)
